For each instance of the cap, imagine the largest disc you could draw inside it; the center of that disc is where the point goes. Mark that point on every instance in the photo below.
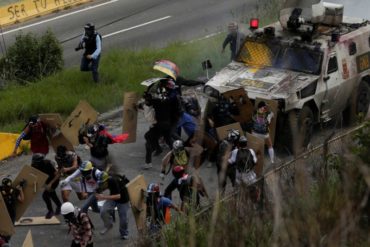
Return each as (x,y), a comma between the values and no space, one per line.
(89,26)
(33,119)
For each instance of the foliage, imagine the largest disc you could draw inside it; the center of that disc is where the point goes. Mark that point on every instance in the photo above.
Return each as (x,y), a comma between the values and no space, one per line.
(330,210)
(362,138)
(120,71)
(31,58)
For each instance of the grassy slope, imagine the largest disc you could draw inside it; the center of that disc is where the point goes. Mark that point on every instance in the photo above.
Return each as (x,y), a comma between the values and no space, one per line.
(121,70)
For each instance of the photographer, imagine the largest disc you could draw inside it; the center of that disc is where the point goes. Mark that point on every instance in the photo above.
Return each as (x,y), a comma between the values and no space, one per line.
(91,42)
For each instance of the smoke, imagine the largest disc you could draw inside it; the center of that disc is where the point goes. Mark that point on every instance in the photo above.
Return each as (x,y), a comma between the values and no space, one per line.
(355,8)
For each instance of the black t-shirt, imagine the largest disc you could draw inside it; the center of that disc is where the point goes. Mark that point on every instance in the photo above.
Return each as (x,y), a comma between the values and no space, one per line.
(48,168)
(117,186)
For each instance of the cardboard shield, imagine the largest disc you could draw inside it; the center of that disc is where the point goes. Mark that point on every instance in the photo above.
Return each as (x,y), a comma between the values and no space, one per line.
(136,189)
(54,122)
(34,221)
(130,115)
(258,145)
(273,106)
(243,103)
(28,242)
(6,225)
(224,130)
(35,181)
(84,113)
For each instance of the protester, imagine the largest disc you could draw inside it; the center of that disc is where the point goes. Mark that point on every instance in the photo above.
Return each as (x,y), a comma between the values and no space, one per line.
(179,155)
(154,133)
(233,39)
(118,198)
(88,176)
(68,162)
(188,123)
(223,112)
(80,226)
(245,160)
(189,187)
(97,138)
(91,41)
(46,166)
(167,108)
(158,208)
(11,196)
(224,168)
(261,126)
(35,131)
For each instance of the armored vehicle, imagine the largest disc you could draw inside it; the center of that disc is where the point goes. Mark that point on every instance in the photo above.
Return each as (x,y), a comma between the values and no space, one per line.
(314,61)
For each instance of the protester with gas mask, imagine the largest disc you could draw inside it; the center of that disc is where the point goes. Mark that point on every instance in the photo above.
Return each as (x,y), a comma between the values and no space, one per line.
(68,162)
(11,195)
(80,226)
(46,166)
(90,41)
(118,198)
(88,176)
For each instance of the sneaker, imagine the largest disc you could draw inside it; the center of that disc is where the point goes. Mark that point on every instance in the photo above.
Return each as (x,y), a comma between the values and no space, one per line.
(49,215)
(105,230)
(147,166)
(57,211)
(124,237)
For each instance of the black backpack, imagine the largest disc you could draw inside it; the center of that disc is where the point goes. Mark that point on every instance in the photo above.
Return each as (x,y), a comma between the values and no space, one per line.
(244,160)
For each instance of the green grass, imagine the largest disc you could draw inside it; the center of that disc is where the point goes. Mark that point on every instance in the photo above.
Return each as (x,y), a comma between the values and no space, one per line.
(120,70)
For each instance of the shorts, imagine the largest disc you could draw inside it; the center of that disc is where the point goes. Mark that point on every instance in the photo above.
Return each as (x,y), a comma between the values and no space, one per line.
(78,186)
(262,136)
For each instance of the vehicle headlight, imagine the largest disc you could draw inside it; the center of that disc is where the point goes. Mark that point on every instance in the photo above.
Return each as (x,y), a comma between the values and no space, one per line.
(210,91)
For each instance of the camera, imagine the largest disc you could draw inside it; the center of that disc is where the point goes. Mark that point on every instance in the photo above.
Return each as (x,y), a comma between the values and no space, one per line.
(79,47)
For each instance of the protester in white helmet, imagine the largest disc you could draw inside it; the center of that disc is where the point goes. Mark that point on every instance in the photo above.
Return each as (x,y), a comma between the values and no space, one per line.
(80,225)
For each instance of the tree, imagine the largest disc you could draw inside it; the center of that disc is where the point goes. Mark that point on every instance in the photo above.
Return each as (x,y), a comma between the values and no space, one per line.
(30,58)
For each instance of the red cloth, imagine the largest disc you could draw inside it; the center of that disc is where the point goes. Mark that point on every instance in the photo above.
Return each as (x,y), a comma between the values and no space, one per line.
(115,139)
(39,140)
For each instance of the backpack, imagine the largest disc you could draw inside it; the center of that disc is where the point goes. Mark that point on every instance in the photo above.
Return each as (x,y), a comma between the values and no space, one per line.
(79,218)
(244,160)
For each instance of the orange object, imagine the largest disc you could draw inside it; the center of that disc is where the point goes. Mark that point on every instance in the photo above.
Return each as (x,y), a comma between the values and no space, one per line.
(167,215)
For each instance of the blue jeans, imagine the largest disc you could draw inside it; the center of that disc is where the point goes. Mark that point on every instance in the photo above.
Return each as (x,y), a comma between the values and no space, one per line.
(91,65)
(90,201)
(107,211)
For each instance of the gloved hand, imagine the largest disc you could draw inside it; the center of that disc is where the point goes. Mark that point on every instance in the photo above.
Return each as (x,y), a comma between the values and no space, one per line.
(162,175)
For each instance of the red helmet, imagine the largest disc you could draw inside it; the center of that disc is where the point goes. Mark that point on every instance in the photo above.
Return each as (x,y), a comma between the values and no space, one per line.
(178,171)
(153,188)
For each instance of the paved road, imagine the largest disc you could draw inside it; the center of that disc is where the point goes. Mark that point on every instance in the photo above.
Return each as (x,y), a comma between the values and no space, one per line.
(127,159)
(136,24)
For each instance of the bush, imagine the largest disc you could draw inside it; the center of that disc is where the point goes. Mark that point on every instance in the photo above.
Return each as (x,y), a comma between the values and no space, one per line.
(31,58)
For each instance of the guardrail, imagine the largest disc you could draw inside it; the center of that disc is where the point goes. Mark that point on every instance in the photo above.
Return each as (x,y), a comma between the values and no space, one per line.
(308,167)
(28,9)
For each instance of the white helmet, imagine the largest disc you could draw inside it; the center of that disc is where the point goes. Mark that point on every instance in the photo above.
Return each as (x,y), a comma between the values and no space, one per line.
(67,208)
(178,145)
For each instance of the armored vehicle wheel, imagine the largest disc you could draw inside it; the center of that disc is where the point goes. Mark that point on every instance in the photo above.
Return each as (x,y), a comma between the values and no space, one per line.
(306,122)
(300,130)
(363,98)
(358,104)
